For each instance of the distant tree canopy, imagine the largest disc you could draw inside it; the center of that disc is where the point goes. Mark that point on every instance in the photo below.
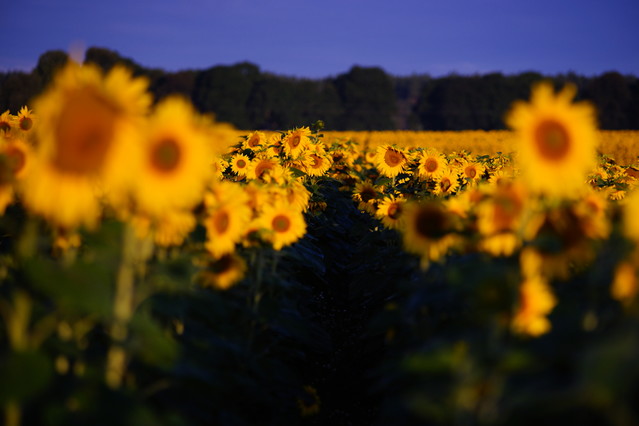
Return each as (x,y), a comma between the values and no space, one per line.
(364,98)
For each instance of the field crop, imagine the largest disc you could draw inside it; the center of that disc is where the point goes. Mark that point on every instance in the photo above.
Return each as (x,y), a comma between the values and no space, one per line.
(159,267)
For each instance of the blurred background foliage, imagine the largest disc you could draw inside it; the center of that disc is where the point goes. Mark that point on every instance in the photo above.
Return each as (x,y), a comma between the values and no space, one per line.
(364,98)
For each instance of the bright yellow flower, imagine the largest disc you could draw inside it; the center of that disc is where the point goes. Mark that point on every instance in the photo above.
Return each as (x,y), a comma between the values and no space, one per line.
(446,183)
(173,227)
(390,161)
(239,164)
(87,125)
(175,165)
(556,140)
(295,141)
(431,164)
(228,214)
(283,225)
(255,141)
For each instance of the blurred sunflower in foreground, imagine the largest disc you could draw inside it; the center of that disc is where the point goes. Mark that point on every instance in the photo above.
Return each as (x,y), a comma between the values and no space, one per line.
(556,140)
(86,123)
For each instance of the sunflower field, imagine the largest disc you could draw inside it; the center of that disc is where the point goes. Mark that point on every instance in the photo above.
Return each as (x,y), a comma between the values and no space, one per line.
(159,267)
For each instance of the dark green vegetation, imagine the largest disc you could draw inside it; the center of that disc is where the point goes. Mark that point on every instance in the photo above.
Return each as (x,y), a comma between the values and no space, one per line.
(364,98)
(345,310)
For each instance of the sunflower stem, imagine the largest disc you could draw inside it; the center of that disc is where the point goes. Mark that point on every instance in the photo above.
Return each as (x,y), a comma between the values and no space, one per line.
(12,413)
(134,255)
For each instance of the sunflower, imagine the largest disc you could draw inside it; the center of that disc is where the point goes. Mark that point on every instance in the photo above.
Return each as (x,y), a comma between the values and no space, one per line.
(428,230)
(625,285)
(391,211)
(296,141)
(365,194)
(390,161)
(536,301)
(227,215)
(283,225)
(316,163)
(265,170)
(431,164)
(175,160)
(446,183)
(87,125)
(239,164)
(173,227)
(25,119)
(255,141)
(631,217)
(472,171)
(499,217)
(6,122)
(223,272)
(556,140)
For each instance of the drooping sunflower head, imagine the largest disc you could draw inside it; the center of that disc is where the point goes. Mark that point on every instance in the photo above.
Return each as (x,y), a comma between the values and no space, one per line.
(556,140)
(428,230)
(223,272)
(390,161)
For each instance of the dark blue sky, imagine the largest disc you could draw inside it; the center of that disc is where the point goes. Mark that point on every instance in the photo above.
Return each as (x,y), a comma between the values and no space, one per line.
(321,38)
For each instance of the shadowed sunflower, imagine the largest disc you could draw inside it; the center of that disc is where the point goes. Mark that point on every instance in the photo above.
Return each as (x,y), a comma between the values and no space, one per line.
(175,160)
(25,119)
(224,272)
(365,194)
(499,217)
(390,161)
(536,301)
(86,126)
(391,211)
(446,183)
(556,140)
(6,122)
(283,225)
(15,163)
(428,230)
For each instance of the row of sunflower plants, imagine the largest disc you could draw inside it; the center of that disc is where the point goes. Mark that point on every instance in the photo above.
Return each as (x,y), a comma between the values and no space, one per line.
(155,270)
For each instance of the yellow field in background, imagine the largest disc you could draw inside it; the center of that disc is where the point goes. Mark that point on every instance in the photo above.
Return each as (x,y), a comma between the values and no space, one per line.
(622,145)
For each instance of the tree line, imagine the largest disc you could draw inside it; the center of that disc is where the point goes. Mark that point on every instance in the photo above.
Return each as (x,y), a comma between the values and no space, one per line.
(364,98)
